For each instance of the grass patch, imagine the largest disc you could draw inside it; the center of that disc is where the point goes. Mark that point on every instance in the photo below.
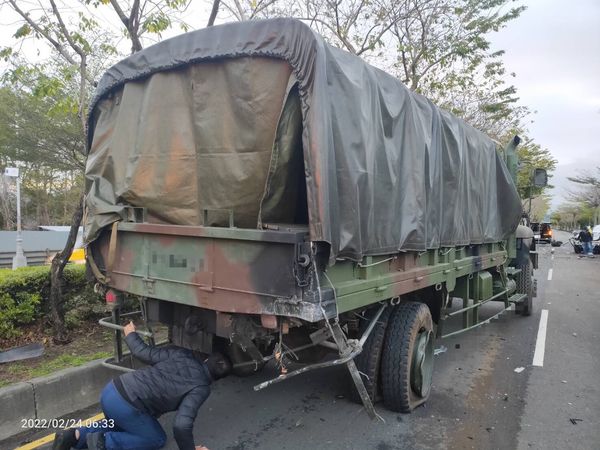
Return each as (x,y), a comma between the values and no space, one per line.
(24,372)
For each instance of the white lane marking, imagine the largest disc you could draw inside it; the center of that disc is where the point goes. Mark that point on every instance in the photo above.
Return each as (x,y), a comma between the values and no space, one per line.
(549,274)
(540,344)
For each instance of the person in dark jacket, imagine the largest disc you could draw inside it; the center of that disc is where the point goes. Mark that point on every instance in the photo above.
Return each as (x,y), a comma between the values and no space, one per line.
(586,237)
(175,380)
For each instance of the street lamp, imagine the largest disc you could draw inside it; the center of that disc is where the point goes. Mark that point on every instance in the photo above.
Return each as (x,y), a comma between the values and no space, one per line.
(19,260)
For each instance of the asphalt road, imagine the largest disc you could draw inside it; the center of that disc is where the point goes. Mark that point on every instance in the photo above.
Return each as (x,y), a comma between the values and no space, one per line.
(478,400)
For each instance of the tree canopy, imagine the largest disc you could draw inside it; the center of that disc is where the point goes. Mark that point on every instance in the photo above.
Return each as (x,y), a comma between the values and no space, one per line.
(43,103)
(81,46)
(587,193)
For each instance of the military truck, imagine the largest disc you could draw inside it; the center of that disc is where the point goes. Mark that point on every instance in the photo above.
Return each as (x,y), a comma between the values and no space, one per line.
(265,194)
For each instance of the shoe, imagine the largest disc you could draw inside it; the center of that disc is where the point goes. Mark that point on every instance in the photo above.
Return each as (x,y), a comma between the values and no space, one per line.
(64,440)
(95,441)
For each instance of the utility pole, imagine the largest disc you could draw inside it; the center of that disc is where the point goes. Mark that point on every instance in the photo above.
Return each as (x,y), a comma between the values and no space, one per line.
(19,260)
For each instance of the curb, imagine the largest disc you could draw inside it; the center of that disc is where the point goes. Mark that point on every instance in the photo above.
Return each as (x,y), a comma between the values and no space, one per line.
(52,396)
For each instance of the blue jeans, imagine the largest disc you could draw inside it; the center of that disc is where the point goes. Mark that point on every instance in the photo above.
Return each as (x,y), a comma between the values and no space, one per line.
(587,248)
(132,430)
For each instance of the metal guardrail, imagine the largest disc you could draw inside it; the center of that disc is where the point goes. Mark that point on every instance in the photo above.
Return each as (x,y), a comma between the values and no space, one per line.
(33,258)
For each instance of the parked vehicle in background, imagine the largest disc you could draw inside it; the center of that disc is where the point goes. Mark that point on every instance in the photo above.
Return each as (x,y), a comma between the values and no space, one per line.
(596,240)
(596,234)
(535,227)
(542,231)
(546,232)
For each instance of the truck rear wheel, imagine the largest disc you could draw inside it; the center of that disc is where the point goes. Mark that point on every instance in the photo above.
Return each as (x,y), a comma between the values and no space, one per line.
(407,357)
(368,362)
(524,281)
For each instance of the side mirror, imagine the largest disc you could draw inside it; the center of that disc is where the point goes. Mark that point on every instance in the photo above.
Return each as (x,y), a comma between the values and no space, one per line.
(540,178)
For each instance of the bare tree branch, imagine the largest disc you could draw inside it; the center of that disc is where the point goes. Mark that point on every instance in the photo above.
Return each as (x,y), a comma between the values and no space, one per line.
(59,47)
(136,45)
(240,10)
(65,31)
(261,6)
(213,13)
(82,63)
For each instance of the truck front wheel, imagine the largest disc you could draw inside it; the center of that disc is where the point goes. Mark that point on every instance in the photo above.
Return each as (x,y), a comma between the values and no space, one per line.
(407,359)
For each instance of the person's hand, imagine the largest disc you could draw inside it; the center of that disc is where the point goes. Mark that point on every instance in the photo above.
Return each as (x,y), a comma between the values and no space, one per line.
(129,328)
(201,447)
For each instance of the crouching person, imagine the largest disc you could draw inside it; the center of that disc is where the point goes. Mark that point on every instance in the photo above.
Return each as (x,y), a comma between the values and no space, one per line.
(175,380)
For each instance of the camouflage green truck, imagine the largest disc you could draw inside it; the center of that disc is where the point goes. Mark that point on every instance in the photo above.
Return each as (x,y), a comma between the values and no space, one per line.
(265,194)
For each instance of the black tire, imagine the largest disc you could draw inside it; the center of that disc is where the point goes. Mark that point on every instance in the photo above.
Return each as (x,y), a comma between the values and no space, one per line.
(524,281)
(368,362)
(404,386)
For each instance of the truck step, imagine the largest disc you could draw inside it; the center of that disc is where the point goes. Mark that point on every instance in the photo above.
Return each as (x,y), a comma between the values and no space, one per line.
(512,271)
(517,298)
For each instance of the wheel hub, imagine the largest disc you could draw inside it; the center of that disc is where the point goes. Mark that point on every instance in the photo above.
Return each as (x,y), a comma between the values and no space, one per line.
(422,363)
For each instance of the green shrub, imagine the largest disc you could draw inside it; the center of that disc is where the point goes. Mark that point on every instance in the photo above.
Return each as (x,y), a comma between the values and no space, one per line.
(34,280)
(24,297)
(18,311)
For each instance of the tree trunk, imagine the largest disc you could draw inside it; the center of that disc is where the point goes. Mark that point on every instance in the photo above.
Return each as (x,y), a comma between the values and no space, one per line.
(57,313)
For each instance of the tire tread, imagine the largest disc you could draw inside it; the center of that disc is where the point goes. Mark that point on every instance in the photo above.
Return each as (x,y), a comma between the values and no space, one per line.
(395,366)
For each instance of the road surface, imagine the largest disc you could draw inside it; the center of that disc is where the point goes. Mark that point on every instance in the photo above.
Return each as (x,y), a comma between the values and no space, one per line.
(481,398)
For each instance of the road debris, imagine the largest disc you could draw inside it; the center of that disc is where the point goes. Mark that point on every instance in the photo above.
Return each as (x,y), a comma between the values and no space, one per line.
(575,420)
(23,352)
(519,369)
(439,350)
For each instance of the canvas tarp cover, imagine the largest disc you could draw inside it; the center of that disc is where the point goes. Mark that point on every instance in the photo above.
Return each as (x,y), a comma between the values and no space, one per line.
(188,140)
(385,170)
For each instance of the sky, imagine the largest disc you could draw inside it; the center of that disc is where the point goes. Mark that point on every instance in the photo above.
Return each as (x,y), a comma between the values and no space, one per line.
(554,49)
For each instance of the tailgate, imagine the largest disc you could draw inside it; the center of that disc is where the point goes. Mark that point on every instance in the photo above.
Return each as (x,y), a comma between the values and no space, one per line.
(222,269)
